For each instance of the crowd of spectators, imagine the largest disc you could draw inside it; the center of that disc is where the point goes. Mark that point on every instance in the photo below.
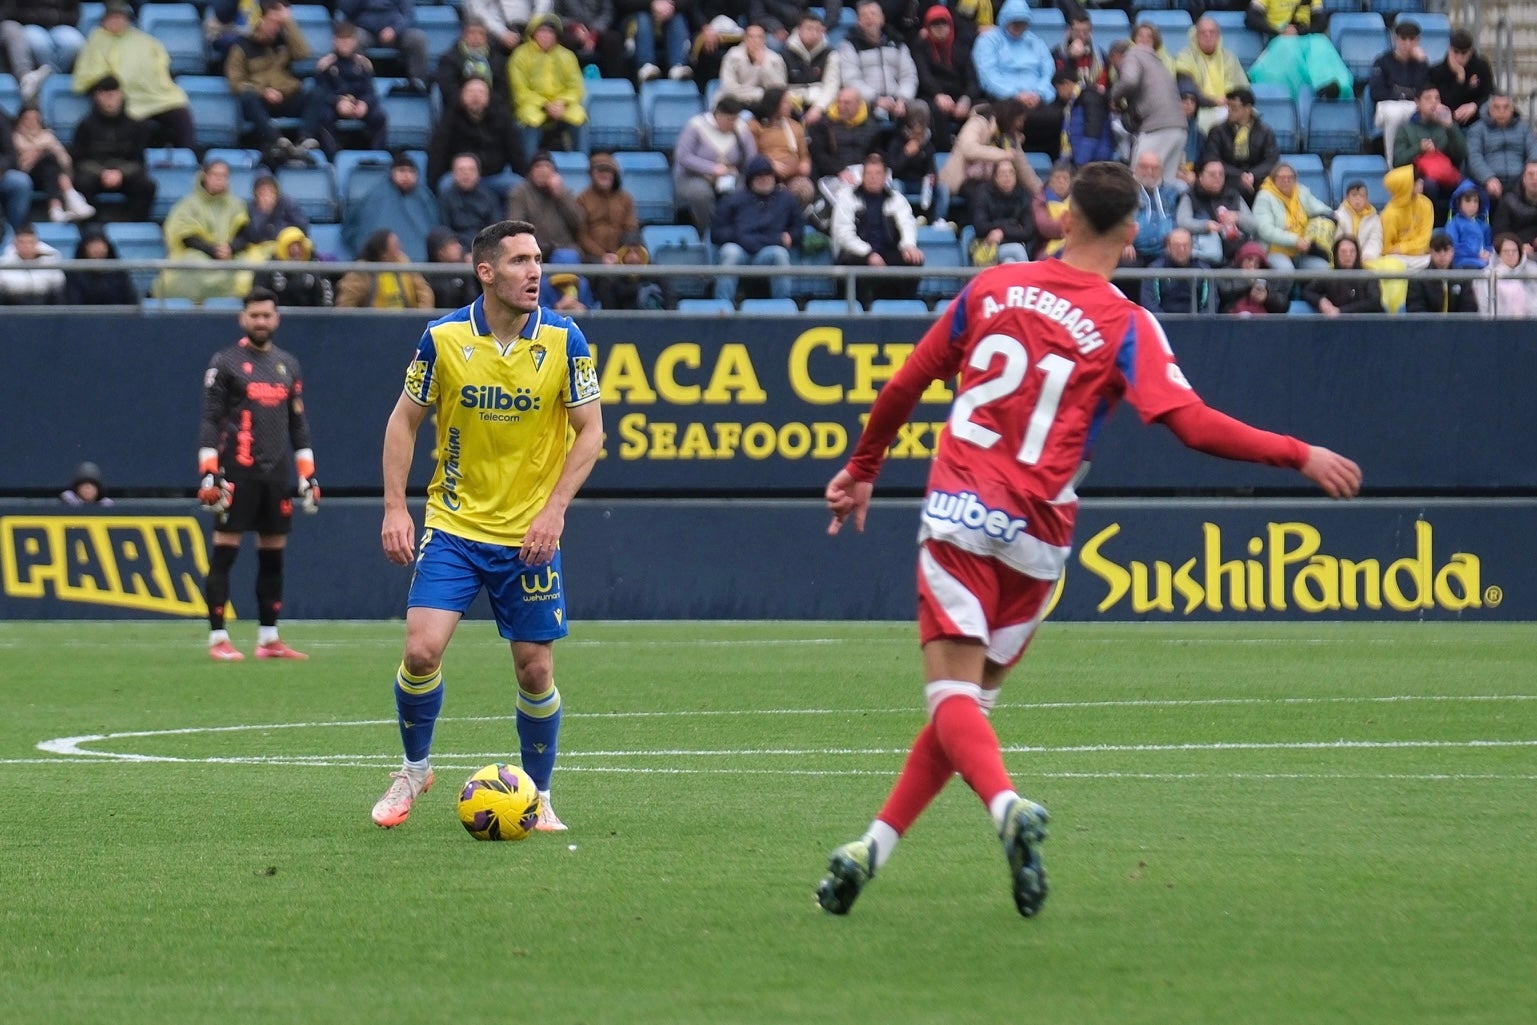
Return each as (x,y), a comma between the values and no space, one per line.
(915,114)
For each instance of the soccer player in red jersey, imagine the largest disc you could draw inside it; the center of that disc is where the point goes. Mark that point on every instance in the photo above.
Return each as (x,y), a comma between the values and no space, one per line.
(1043,351)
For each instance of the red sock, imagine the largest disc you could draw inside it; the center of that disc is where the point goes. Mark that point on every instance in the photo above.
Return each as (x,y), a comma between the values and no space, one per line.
(971,746)
(924,775)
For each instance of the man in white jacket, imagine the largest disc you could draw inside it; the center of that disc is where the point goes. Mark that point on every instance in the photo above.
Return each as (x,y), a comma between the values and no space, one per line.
(873,226)
(25,280)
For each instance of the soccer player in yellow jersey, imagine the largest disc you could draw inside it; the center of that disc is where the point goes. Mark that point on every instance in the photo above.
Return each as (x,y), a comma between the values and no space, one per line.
(509,381)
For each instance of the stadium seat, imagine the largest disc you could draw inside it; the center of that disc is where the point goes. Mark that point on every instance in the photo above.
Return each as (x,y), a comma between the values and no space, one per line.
(173,304)
(357,170)
(170,156)
(186,45)
(242,181)
(410,120)
(1109,24)
(1242,42)
(1360,39)
(900,307)
(1049,24)
(572,168)
(832,307)
(62,237)
(678,245)
(1281,115)
(1040,163)
(10,95)
(217,118)
(171,184)
(646,177)
(63,110)
(666,106)
(1368,167)
(439,24)
(715,306)
(1435,34)
(152,16)
(770,307)
(942,249)
(138,240)
(235,158)
(90,17)
(613,114)
(224,302)
(1310,172)
(1397,7)
(813,286)
(1334,128)
(327,238)
(1299,308)
(313,188)
(1173,24)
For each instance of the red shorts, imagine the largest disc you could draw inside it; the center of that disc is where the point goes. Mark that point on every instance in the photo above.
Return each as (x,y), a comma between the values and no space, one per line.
(966,595)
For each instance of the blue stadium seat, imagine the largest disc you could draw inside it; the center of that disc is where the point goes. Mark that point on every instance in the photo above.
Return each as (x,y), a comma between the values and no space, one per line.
(1281,115)
(1397,7)
(186,45)
(153,16)
(137,240)
(173,304)
(171,184)
(170,156)
(665,106)
(1360,39)
(1368,167)
(1049,24)
(217,118)
(441,27)
(10,95)
(313,188)
(770,307)
(327,238)
(63,110)
(410,120)
(212,85)
(1173,24)
(572,168)
(941,248)
(613,114)
(1334,128)
(1310,172)
(1242,42)
(235,158)
(678,245)
(832,307)
(90,17)
(900,307)
(1040,163)
(62,237)
(1299,308)
(357,170)
(813,286)
(648,179)
(1435,34)
(705,305)
(242,181)
(1109,24)
(224,302)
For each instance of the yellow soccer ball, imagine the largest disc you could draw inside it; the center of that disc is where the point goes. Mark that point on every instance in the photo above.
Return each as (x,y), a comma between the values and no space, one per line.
(499,802)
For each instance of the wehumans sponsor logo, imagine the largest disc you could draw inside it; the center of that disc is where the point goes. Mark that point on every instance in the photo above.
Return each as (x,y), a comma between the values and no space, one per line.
(147,563)
(452,474)
(968,511)
(540,587)
(1288,569)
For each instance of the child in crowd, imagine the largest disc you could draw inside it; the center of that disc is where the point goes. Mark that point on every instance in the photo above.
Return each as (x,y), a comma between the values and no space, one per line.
(1472,241)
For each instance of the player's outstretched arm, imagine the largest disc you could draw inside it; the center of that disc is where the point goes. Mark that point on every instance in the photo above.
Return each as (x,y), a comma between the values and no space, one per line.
(848,497)
(1337,476)
(398,535)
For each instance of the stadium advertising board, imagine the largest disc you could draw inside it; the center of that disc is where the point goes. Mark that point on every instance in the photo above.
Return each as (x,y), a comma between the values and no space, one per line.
(686,559)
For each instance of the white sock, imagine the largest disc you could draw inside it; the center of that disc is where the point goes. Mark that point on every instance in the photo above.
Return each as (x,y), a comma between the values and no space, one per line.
(266,634)
(987,700)
(544,798)
(882,840)
(999,807)
(418,770)
(215,636)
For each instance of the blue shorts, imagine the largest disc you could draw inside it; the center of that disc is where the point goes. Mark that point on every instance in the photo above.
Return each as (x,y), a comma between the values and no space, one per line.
(528,601)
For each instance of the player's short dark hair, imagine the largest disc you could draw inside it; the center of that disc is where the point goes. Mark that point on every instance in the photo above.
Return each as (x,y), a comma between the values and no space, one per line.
(489,239)
(1105,194)
(259,295)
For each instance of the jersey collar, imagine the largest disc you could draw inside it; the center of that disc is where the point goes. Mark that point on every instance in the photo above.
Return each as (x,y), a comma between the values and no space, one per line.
(483,327)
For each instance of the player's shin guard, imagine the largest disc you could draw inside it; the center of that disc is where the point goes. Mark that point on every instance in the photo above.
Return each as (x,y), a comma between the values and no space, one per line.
(216,587)
(418,699)
(538,732)
(967,738)
(924,775)
(269,584)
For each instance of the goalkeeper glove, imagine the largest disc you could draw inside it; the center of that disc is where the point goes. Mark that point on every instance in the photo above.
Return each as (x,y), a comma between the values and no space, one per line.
(215,492)
(309,494)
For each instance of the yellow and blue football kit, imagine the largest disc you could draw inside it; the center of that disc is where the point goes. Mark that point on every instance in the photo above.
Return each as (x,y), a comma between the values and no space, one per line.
(502,436)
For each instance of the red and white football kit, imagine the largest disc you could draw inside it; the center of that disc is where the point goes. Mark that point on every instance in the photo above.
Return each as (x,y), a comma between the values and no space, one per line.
(1043,351)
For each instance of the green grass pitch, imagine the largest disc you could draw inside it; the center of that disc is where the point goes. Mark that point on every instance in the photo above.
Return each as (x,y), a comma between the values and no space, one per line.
(1250,823)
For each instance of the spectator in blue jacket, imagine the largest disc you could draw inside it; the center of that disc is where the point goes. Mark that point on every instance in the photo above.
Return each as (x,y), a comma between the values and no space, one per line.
(1156,211)
(466,203)
(343,89)
(1500,145)
(1468,226)
(1013,62)
(399,203)
(758,224)
(390,23)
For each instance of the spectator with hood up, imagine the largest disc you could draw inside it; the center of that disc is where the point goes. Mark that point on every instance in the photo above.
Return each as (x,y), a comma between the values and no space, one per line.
(98,288)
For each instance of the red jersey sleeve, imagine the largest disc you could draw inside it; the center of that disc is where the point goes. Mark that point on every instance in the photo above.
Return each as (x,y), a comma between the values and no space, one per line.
(935,358)
(1207,430)
(1155,385)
